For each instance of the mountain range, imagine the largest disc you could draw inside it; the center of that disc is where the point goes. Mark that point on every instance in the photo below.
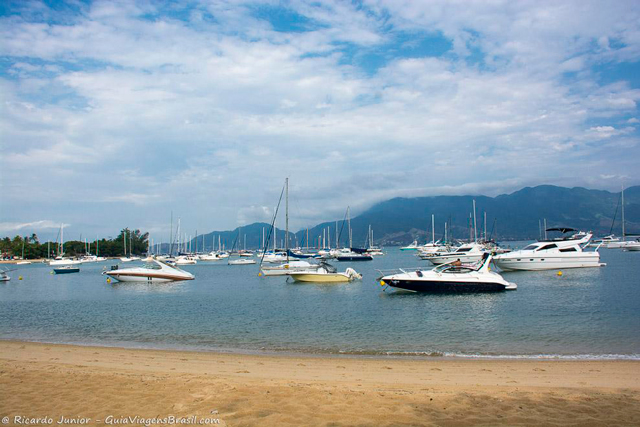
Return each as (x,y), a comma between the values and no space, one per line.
(516,216)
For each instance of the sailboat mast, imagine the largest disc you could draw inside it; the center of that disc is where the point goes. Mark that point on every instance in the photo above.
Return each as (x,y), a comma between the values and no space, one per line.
(433,228)
(349,227)
(124,241)
(622,199)
(485,226)
(445,233)
(475,224)
(286,215)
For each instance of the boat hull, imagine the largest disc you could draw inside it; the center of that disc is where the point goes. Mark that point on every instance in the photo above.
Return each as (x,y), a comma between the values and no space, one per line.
(321,278)
(528,263)
(146,278)
(242,262)
(66,270)
(446,286)
(354,258)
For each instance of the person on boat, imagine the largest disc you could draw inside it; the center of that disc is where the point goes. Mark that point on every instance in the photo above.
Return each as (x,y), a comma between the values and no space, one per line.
(457,263)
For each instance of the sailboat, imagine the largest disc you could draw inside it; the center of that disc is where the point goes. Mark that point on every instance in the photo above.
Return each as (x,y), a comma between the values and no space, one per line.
(126,258)
(286,266)
(613,243)
(373,250)
(351,253)
(61,259)
(241,260)
(23,261)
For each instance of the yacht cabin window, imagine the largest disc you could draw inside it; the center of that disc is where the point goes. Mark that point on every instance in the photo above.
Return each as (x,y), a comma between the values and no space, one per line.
(569,250)
(545,247)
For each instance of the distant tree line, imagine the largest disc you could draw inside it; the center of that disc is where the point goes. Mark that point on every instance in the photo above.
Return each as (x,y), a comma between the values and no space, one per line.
(33,248)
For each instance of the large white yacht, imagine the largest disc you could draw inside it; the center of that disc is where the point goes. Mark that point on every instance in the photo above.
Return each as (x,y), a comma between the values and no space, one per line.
(564,252)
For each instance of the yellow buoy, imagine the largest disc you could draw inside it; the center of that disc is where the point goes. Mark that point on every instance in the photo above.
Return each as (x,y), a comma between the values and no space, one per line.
(260,274)
(19,277)
(108,280)
(559,273)
(382,283)
(51,272)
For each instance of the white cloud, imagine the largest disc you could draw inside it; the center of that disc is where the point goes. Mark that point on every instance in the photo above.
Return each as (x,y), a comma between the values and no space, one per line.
(206,117)
(16,227)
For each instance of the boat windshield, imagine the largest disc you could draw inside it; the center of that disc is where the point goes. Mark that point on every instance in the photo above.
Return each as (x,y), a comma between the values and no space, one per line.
(530,247)
(328,268)
(450,268)
(152,266)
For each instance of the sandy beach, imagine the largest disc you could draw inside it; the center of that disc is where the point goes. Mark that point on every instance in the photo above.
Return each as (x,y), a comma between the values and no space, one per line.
(101,386)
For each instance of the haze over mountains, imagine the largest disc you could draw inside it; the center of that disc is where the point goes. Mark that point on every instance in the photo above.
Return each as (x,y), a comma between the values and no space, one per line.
(515,216)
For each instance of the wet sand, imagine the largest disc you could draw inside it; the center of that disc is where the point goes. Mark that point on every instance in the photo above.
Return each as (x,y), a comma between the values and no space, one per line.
(105,385)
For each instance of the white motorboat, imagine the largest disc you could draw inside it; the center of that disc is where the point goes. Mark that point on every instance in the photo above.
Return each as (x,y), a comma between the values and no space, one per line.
(155,272)
(275,258)
(92,258)
(432,249)
(633,246)
(64,261)
(412,247)
(287,268)
(609,241)
(565,252)
(186,260)
(467,253)
(374,251)
(326,273)
(241,261)
(211,256)
(353,254)
(4,277)
(451,277)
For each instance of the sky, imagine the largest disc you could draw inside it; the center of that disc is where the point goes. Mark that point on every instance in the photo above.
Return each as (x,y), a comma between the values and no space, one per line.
(119,114)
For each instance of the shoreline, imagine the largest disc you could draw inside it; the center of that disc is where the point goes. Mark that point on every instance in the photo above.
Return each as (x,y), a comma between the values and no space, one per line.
(54,380)
(339,355)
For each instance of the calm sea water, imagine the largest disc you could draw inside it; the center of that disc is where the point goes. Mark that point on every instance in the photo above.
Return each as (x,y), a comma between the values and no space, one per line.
(585,313)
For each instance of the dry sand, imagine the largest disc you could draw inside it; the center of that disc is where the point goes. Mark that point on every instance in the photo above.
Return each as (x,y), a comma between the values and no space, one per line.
(108,384)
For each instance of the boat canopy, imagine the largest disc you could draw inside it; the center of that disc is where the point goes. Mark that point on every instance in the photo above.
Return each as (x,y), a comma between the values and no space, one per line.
(561,229)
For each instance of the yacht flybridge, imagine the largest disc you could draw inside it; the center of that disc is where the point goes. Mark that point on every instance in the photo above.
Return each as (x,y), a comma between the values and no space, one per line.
(450,277)
(155,272)
(563,252)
